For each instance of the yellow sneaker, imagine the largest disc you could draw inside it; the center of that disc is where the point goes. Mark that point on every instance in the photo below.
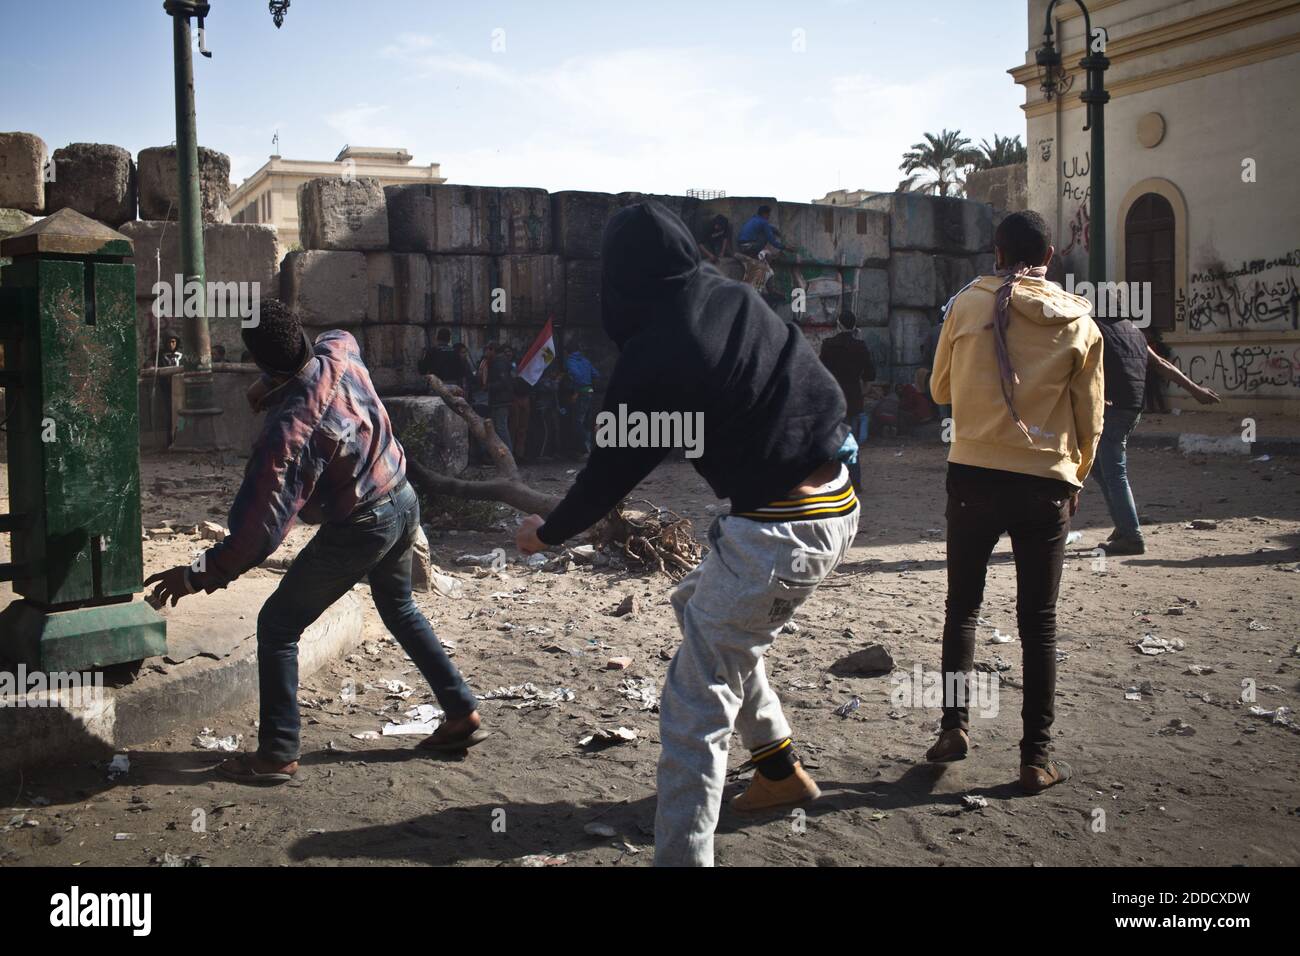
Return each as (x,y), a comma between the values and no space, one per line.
(764,794)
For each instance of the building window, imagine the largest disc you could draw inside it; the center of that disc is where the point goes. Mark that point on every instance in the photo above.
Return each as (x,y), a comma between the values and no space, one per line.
(1149,254)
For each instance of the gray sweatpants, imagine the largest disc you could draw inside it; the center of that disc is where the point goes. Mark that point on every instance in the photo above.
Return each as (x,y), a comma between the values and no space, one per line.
(730,609)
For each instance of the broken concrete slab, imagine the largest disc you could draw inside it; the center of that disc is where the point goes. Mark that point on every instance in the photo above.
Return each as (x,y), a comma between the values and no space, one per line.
(532,287)
(390,353)
(578,222)
(328,289)
(22,172)
(462,289)
(399,288)
(431,433)
(340,214)
(96,180)
(159,181)
(871,660)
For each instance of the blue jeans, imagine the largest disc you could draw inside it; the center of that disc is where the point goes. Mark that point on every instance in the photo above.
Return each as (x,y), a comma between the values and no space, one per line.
(1111,470)
(581,424)
(501,425)
(375,542)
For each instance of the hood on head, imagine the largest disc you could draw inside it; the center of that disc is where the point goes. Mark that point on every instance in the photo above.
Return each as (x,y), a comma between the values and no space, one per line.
(1041,300)
(647,256)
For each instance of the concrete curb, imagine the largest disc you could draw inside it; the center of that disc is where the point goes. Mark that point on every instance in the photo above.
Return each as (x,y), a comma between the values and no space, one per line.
(139,713)
(1174,440)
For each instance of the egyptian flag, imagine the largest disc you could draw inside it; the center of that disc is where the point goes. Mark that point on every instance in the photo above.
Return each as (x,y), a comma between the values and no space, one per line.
(539,355)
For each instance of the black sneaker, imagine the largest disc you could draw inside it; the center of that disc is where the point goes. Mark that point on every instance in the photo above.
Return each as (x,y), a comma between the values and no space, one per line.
(1124,546)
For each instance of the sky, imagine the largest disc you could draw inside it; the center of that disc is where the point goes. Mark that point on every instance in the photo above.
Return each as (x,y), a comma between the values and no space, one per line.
(790,100)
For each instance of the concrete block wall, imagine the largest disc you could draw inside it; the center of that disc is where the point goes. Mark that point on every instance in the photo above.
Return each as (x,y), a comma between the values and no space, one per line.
(493,264)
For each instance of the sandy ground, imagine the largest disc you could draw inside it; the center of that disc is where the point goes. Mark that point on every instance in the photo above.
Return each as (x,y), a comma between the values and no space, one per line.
(1185,775)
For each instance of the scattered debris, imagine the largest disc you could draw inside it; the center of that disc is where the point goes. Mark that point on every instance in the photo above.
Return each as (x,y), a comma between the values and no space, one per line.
(789,627)
(972,802)
(600,830)
(119,766)
(642,690)
(1255,625)
(1202,524)
(1280,716)
(1153,646)
(607,738)
(848,707)
(1177,728)
(212,531)
(618,663)
(1074,537)
(529,695)
(1000,638)
(207,740)
(543,859)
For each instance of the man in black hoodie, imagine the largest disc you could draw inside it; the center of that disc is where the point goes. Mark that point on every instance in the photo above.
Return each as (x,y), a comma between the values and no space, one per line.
(695,344)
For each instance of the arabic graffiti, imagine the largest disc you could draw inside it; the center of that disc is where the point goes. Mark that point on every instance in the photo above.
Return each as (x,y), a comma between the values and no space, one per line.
(1261,295)
(1264,370)
(1077,189)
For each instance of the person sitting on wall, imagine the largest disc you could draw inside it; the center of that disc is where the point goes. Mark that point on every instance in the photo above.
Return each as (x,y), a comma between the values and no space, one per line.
(758,237)
(717,240)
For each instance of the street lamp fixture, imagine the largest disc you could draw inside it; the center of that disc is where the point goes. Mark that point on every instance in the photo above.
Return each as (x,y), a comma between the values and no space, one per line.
(1055,83)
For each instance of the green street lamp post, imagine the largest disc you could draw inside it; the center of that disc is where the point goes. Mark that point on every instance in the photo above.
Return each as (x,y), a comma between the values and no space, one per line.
(1095,97)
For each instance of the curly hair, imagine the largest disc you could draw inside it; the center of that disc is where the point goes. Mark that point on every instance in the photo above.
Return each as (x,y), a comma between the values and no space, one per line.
(277,341)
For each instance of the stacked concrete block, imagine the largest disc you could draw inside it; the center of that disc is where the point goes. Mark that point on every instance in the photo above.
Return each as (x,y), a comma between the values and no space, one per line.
(866,294)
(532,289)
(935,224)
(343,214)
(95,179)
(819,298)
(582,293)
(878,342)
(834,235)
(159,180)
(410,217)
(908,330)
(462,289)
(519,221)
(328,289)
(914,280)
(391,352)
(235,254)
(578,222)
(12,221)
(430,432)
(399,288)
(22,172)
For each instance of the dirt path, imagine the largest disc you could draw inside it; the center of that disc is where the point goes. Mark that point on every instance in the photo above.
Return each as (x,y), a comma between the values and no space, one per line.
(1184,775)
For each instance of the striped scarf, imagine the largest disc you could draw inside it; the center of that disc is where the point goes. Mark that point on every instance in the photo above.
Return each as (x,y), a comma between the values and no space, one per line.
(1001,318)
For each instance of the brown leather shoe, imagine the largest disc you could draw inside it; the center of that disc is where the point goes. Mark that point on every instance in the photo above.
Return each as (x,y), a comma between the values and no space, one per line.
(952,745)
(250,768)
(764,794)
(1037,779)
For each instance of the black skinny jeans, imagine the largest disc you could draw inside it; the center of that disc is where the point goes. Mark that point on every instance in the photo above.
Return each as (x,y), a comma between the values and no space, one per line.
(982,504)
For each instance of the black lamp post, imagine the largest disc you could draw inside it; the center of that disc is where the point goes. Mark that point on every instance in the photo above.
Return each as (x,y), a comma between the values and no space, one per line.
(1095,97)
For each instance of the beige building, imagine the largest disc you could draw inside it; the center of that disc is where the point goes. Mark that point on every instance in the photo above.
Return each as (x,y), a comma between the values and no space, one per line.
(1202,200)
(270,195)
(845,197)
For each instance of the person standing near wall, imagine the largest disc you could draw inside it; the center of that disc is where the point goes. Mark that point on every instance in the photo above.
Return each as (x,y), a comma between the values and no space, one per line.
(583,375)
(1130,361)
(849,360)
(1020,361)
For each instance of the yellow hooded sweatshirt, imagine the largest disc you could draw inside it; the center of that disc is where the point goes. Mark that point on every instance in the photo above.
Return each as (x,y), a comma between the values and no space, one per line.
(1056,351)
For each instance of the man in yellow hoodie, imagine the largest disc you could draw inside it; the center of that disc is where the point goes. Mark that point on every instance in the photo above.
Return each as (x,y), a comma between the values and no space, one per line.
(1020,361)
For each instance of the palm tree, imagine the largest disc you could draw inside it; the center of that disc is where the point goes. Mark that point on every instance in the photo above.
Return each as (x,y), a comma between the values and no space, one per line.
(1005,151)
(945,156)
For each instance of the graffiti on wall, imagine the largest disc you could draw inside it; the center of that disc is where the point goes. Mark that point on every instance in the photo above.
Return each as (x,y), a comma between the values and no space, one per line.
(1076,189)
(1265,370)
(1261,295)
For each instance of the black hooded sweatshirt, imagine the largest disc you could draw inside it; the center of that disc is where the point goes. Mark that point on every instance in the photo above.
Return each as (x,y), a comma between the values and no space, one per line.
(691,340)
